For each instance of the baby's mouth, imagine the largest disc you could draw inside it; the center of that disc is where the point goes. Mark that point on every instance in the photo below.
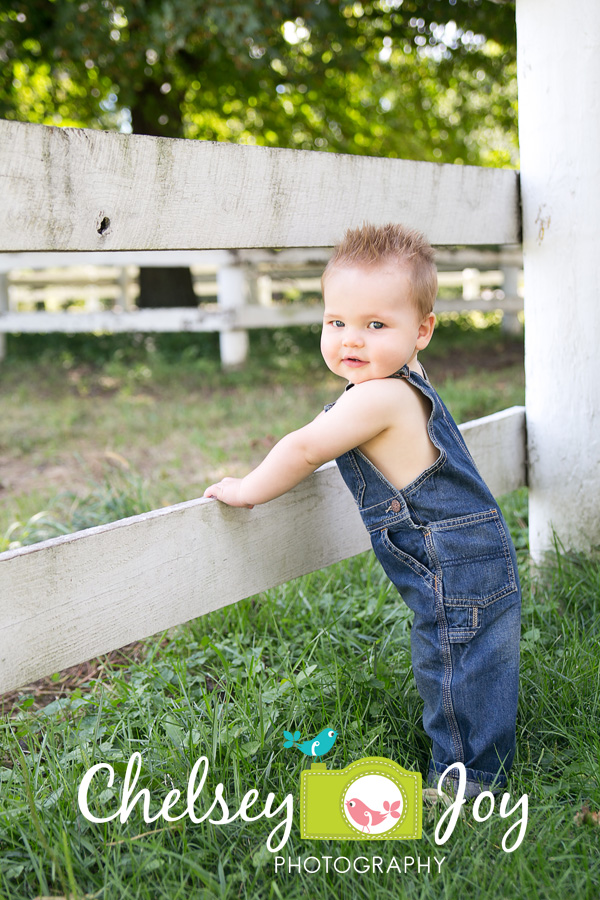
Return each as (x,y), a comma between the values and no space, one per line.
(353,361)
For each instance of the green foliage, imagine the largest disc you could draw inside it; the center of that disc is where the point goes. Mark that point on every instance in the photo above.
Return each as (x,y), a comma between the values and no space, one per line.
(429,80)
(67,350)
(40,527)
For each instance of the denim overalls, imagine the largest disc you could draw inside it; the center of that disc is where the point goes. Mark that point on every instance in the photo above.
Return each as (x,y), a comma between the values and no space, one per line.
(443,542)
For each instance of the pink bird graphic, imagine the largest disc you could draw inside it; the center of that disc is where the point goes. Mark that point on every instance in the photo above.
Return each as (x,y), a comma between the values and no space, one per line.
(365,817)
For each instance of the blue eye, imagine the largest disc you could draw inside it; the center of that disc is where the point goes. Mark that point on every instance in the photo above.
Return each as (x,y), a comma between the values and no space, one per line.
(376,325)
(337,323)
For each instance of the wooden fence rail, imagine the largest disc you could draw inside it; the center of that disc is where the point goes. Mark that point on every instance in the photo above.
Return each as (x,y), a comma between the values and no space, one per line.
(74,189)
(26,294)
(71,598)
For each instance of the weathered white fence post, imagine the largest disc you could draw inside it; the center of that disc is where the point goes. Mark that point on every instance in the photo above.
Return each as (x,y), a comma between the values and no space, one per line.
(559,127)
(233,293)
(3,309)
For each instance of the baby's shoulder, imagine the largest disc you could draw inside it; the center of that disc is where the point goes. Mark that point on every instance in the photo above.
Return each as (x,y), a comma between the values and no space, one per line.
(385,400)
(381,390)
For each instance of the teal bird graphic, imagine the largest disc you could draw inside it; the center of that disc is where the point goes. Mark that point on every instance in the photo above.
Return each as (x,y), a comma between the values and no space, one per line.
(317,746)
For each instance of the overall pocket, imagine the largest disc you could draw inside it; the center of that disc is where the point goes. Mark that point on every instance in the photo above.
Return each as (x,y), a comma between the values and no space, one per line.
(473,553)
(407,557)
(404,559)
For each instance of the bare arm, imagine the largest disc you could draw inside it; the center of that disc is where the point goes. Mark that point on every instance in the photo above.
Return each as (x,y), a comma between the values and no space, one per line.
(358,415)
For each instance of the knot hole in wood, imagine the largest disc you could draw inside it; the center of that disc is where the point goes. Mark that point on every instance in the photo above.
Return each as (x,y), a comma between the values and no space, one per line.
(102,224)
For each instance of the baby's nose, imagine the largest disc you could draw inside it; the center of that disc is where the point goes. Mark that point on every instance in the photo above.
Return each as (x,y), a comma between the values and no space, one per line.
(353,338)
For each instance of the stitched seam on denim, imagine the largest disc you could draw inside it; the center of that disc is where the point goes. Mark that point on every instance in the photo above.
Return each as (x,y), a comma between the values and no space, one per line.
(411,486)
(388,500)
(414,514)
(445,648)
(457,435)
(437,405)
(464,633)
(460,637)
(381,477)
(426,475)
(361,485)
(380,523)
(504,538)
(431,394)
(490,515)
(482,602)
(507,557)
(458,521)
(480,557)
(385,502)
(472,605)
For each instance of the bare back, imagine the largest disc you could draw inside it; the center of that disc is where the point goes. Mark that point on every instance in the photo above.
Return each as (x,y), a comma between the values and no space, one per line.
(403,450)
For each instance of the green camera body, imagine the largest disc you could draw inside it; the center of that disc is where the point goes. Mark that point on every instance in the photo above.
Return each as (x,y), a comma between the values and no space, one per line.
(371,799)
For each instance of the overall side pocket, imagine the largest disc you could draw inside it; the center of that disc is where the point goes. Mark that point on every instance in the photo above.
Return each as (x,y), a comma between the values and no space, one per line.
(473,553)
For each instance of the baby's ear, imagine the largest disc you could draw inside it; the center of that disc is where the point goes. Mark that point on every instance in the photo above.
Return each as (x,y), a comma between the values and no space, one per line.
(425,331)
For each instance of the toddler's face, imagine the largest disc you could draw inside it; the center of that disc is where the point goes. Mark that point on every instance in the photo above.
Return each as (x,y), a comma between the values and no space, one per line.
(370,326)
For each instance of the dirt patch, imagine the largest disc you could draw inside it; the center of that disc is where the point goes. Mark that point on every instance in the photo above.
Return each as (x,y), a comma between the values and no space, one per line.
(62,685)
(20,477)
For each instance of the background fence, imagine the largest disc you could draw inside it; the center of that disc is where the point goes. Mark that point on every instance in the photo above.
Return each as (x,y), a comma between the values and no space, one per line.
(235,290)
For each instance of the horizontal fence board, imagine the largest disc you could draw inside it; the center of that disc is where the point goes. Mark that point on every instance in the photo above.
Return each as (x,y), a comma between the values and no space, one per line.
(498,444)
(72,598)
(76,189)
(143,320)
(507,305)
(303,257)
(189,319)
(162,320)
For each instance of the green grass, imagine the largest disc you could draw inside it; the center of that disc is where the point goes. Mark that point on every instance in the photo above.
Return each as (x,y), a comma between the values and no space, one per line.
(331,648)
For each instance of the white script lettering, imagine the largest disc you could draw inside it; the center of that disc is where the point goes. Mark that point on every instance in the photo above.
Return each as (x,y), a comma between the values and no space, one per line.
(454,810)
(194,789)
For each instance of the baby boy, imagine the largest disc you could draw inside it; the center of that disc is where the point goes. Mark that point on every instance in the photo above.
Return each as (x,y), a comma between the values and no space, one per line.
(434,525)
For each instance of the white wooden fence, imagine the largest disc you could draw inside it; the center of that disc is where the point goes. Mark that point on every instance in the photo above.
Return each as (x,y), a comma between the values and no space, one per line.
(68,599)
(35,288)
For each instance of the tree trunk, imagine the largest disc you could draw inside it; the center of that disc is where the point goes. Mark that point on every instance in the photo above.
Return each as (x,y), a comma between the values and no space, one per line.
(158,114)
(168,286)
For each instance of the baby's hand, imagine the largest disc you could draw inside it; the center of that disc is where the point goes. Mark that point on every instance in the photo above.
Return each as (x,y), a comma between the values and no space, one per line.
(228,491)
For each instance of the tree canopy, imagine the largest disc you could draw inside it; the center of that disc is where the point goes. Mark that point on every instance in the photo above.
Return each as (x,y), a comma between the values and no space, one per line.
(421,79)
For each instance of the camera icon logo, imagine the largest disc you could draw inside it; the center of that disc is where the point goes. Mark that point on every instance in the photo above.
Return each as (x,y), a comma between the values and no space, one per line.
(371,799)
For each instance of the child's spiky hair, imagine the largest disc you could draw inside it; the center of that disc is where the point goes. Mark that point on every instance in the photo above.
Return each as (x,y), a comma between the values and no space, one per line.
(374,244)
